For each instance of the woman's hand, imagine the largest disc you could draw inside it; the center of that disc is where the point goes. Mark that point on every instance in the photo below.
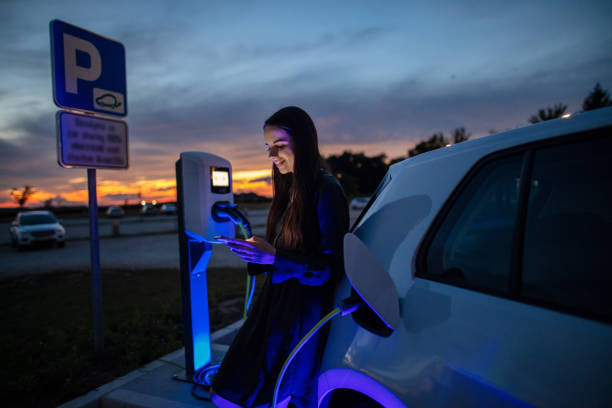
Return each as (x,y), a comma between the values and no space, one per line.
(254,250)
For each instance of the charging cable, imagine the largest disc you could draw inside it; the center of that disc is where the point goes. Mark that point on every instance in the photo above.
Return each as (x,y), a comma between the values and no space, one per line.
(250,283)
(346,306)
(223,211)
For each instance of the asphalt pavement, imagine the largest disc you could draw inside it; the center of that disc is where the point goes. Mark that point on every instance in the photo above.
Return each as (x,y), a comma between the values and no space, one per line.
(78,228)
(150,242)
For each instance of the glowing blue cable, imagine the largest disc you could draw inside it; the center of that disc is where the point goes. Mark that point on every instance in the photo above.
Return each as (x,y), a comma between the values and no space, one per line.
(252,292)
(298,347)
(250,285)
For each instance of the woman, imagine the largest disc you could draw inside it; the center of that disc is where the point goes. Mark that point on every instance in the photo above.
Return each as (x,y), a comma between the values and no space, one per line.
(302,258)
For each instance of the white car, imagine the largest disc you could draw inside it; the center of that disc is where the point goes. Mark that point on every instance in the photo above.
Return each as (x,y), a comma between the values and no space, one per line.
(168,209)
(36,227)
(114,211)
(498,253)
(148,209)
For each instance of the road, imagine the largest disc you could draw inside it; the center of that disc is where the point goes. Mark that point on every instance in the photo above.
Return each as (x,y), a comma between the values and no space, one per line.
(78,228)
(150,243)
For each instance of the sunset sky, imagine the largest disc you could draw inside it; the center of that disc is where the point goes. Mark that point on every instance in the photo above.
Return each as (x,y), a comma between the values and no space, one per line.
(376,77)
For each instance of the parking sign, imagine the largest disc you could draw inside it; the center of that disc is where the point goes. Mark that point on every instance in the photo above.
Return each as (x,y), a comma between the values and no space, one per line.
(88,70)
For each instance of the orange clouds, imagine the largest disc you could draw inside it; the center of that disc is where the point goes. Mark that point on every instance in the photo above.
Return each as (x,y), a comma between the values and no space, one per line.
(116,192)
(254,181)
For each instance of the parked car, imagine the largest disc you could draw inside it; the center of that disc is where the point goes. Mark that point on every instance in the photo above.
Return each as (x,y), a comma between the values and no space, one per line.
(148,209)
(359,203)
(114,211)
(498,250)
(168,209)
(36,227)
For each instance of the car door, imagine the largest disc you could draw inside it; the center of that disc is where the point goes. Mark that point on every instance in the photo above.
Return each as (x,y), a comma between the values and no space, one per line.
(513,300)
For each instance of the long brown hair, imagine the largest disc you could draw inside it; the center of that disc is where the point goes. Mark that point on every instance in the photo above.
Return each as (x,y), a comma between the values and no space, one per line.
(295,191)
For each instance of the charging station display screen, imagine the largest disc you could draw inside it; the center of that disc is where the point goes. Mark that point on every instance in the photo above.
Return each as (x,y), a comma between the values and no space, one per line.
(220,180)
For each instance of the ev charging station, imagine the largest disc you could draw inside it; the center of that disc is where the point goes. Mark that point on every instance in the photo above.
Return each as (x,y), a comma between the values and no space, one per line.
(202,180)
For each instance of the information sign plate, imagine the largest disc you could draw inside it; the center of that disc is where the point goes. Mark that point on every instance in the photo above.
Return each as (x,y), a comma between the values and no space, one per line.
(91,142)
(88,70)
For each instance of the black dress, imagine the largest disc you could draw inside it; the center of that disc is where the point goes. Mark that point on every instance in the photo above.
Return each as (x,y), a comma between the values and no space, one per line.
(297,293)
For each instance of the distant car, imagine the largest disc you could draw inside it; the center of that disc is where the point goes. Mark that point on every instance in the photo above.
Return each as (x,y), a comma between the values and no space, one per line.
(148,209)
(114,211)
(359,203)
(36,227)
(168,209)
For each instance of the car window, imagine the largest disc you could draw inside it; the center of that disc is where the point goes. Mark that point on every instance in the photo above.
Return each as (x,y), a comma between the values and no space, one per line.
(34,219)
(473,245)
(568,226)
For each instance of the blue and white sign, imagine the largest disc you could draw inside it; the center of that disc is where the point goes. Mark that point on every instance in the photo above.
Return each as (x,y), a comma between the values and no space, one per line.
(91,142)
(88,70)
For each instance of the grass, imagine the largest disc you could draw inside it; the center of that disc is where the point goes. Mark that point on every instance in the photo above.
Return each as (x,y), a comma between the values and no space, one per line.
(46,342)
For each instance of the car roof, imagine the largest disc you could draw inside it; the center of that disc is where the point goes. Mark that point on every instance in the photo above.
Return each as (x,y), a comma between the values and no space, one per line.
(38,212)
(579,122)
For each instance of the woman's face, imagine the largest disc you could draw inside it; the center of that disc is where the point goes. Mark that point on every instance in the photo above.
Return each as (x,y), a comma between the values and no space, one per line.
(278,146)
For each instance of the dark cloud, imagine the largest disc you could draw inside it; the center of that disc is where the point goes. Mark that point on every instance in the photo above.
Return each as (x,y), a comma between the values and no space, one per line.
(117,197)
(33,127)
(58,200)
(7,150)
(33,156)
(365,35)
(267,180)
(403,110)
(327,40)
(177,101)
(32,63)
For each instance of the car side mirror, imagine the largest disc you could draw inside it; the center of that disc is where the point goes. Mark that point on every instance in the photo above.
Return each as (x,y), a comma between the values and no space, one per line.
(371,281)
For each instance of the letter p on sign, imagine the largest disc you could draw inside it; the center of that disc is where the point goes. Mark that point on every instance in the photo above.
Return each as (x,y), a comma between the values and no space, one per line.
(73,72)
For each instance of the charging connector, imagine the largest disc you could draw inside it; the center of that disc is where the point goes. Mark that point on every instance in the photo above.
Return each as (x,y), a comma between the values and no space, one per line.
(223,211)
(350,304)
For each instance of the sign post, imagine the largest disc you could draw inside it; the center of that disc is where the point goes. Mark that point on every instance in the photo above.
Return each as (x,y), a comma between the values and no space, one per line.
(94,251)
(89,75)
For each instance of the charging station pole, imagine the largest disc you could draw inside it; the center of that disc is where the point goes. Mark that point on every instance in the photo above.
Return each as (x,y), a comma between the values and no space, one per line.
(202,180)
